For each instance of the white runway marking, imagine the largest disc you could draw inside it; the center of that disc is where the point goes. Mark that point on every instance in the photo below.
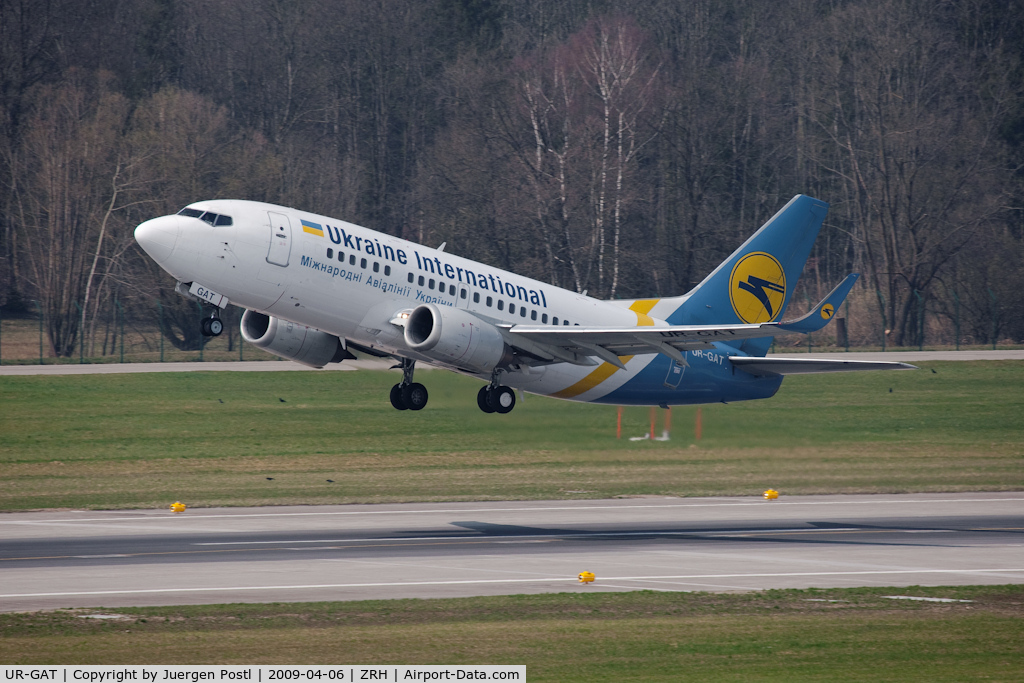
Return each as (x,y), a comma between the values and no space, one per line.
(445,511)
(918,599)
(558,579)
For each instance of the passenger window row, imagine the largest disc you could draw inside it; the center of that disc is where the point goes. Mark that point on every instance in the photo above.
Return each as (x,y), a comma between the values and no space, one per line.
(442,287)
(362,261)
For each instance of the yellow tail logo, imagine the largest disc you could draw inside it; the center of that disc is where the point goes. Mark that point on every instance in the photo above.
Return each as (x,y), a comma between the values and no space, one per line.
(757,288)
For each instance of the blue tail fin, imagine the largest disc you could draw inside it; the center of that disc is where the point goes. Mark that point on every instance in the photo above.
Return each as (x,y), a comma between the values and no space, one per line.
(755,284)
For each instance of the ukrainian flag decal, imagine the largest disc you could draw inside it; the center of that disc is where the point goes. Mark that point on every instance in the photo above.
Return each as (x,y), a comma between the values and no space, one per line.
(313,228)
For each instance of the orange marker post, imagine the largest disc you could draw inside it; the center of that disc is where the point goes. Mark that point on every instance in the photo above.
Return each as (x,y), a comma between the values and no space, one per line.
(654,416)
(697,428)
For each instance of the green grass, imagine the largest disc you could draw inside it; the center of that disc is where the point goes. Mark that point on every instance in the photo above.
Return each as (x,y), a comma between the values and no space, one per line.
(836,634)
(116,441)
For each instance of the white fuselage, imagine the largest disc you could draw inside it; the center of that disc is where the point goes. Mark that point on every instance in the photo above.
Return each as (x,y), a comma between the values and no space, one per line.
(351,282)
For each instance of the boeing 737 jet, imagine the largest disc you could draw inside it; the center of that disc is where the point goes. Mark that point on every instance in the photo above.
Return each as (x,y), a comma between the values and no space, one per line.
(315,289)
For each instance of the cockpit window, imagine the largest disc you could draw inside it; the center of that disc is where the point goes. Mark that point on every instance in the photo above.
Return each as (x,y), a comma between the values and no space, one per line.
(208,216)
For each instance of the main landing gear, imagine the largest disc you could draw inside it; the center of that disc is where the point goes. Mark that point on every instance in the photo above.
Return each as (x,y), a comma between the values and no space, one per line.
(408,395)
(495,398)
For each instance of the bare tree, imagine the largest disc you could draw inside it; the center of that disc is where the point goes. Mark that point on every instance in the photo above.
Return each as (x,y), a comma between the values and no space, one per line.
(918,138)
(616,65)
(69,147)
(572,124)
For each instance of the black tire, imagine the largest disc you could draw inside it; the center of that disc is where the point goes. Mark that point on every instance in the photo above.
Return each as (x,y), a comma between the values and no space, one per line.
(414,396)
(216,326)
(204,327)
(482,397)
(502,400)
(396,398)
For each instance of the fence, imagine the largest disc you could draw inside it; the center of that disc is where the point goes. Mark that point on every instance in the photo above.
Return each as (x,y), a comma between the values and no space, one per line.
(126,335)
(133,332)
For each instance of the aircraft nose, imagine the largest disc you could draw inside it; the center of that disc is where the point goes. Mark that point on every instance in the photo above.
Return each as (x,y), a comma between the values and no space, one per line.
(158,236)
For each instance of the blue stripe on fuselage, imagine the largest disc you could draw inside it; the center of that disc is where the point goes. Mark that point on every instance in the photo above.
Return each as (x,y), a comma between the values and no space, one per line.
(710,378)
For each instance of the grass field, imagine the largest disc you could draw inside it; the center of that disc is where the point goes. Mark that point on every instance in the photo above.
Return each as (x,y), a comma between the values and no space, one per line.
(836,635)
(118,441)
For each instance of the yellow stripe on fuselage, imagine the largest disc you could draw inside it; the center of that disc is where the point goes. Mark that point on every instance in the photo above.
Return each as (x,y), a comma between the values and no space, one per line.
(642,307)
(605,370)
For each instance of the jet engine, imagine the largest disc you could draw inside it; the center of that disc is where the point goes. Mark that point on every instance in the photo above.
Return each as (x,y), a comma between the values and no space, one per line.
(455,337)
(291,341)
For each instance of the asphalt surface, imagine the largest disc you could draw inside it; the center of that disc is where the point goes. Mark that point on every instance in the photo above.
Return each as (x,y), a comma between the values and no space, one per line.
(155,557)
(383,364)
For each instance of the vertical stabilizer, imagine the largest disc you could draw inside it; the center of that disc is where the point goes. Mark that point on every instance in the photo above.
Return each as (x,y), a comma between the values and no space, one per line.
(756,283)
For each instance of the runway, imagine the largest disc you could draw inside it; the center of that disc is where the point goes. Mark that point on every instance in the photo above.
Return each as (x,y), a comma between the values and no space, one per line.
(152,557)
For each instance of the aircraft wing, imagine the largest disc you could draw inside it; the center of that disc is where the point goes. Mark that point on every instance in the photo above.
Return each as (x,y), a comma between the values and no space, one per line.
(577,344)
(609,343)
(807,366)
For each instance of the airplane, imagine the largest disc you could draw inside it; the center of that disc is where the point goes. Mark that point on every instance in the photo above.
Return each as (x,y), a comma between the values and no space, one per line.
(316,289)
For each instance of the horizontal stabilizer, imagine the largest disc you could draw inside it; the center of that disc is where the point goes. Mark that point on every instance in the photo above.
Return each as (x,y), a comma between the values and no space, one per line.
(821,314)
(808,366)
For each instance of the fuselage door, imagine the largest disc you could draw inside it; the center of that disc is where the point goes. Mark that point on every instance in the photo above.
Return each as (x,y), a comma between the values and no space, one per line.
(675,375)
(280,239)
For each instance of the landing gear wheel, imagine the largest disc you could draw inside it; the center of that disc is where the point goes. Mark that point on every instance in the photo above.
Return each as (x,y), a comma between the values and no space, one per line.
(482,399)
(396,398)
(501,399)
(414,396)
(211,327)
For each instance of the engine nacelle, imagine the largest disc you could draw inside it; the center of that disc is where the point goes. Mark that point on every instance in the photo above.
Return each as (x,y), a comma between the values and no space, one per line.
(455,337)
(291,341)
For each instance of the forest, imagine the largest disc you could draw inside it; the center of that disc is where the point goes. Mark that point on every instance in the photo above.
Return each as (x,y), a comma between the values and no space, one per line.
(623,149)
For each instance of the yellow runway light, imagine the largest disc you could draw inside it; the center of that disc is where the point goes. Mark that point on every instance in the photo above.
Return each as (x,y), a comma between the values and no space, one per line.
(771,494)
(586,577)
(177,506)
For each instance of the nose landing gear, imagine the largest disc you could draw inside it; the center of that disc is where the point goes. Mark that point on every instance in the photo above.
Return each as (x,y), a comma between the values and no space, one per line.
(212,326)
(408,395)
